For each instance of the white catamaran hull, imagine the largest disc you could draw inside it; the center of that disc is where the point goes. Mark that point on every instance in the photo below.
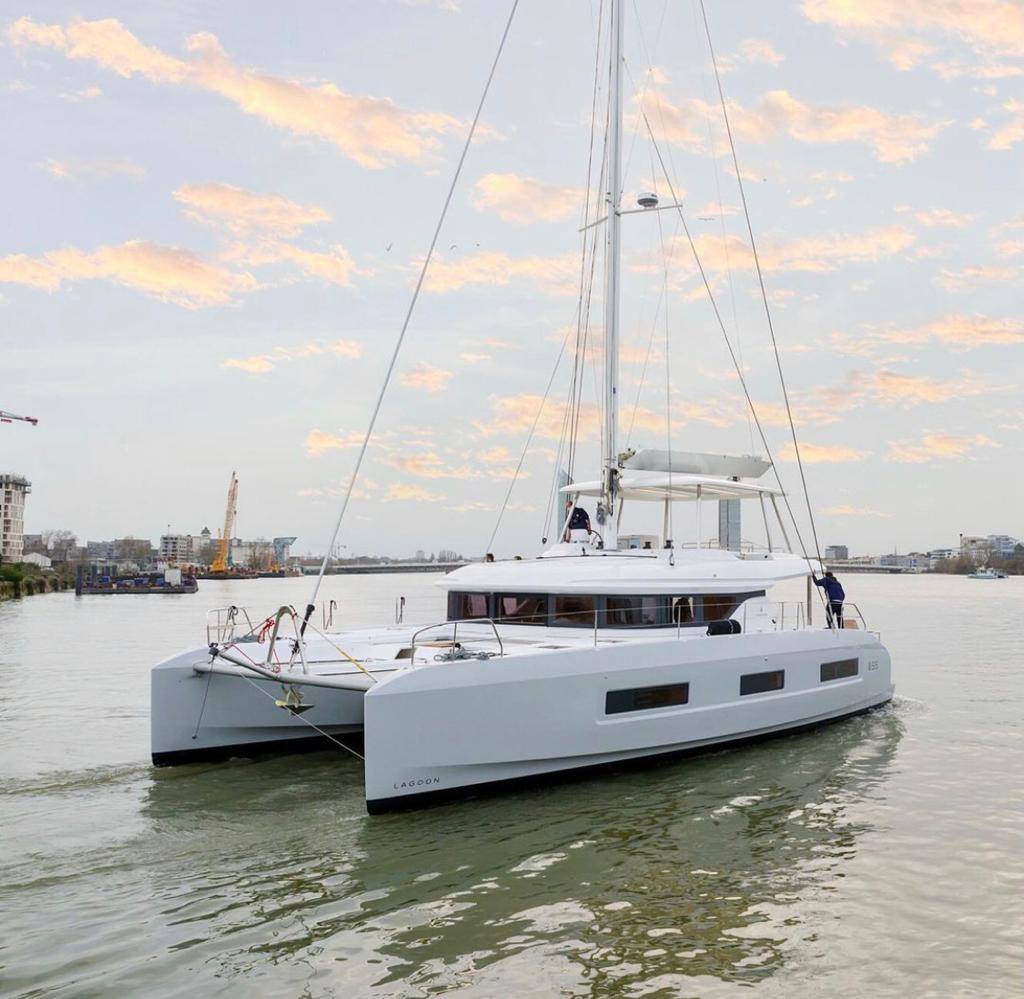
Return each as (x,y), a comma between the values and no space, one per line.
(433,731)
(197,714)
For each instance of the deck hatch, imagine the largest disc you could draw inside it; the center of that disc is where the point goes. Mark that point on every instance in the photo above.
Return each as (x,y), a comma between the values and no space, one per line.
(669,695)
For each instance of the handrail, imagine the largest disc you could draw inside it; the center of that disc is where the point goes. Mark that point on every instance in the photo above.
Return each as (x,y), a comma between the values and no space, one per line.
(297,646)
(224,628)
(455,632)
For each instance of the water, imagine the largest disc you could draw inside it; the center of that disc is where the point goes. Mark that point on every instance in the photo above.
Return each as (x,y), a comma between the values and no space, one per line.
(878,857)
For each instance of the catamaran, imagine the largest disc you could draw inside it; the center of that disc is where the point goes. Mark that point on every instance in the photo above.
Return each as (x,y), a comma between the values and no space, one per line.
(605,649)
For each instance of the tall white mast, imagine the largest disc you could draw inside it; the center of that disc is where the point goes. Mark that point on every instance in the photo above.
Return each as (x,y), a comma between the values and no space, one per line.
(613,200)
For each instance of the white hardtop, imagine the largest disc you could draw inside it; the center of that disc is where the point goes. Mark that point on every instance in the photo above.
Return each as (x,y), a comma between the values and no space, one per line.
(578,568)
(678,486)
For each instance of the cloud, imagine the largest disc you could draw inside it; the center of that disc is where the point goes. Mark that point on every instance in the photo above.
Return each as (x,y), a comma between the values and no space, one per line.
(970,277)
(814,454)
(845,510)
(259,364)
(430,465)
(427,377)
(242,212)
(553,275)
(895,138)
(167,273)
(943,217)
(814,254)
(404,492)
(469,357)
(372,131)
(334,265)
(959,330)
(938,445)
(94,169)
(319,442)
(1012,132)
(524,200)
(756,50)
(990,28)
(909,390)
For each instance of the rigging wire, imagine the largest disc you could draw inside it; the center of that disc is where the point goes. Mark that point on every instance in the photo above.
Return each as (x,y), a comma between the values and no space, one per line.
(729,346)
(760,279)
(310,607)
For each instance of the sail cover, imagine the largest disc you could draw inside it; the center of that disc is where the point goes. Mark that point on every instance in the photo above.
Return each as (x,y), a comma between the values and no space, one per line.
(697,463)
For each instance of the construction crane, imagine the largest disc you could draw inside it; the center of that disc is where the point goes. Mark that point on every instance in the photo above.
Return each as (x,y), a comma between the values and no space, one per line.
(11,417)
(220,561)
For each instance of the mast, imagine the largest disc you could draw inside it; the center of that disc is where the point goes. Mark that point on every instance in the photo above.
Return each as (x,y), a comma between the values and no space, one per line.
(613,200)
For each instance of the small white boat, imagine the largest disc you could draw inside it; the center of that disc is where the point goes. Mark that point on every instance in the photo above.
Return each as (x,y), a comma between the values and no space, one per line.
(986,573)
(590,655)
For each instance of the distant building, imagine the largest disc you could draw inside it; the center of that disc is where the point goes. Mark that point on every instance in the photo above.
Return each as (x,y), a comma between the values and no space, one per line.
(973,547)
(1002,544)
(39,559)
(13,490)
(938,554)
(837,552)
(420,556)
(175,548)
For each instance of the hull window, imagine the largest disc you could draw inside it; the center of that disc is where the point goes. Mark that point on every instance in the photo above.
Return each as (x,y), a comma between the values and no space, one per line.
(840,670)
(671,695)
(762,683)
(573,611)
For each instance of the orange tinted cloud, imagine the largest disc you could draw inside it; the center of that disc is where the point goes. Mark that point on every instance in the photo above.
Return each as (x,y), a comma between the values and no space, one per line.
(968,278)
(262,363)
(427,377)
(814,454)
(320,442)
(933,446)
(960,331)
(402,492)
(241,211)
(372,131)
(523,200)
(167,273)
(554,275)
(846,510)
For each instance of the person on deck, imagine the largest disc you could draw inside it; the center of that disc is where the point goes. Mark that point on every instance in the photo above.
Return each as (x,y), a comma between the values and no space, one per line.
(579,525)
(835,594)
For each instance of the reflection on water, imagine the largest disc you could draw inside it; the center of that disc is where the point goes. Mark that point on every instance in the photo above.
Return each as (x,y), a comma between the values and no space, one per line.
(671,875)
(877,857)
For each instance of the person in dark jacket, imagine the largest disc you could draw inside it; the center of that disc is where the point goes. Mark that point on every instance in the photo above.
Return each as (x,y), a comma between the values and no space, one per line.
(579,525)
(835,594)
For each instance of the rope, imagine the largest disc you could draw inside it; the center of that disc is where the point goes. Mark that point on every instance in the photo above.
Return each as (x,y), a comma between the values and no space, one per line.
(760,279)
(409,312)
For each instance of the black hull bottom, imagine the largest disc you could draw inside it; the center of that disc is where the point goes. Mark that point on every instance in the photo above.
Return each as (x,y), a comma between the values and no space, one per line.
(250,750)
(409,802)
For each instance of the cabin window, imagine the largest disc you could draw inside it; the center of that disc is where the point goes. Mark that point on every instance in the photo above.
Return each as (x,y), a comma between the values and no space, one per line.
(645,698)
(467,605)
(719,606)
(632,612)
(521,608)
(573,610)
(685,610)
(839,670)
(762,683)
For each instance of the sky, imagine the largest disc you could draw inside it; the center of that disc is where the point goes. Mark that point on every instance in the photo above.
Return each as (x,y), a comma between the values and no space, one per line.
(214,216)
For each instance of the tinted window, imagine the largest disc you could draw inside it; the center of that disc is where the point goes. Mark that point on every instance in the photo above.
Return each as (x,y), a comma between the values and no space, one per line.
(631,612)
(685,610)
(719,606)
(522,608)
(761,683)
(463,605)
(644,698)
(839,670)
(572,610)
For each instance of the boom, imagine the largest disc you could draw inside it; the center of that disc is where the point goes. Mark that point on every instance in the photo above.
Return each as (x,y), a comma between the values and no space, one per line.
(11,417)
(220,561)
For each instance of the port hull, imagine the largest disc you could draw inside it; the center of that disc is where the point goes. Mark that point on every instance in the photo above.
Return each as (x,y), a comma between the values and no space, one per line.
(197,715)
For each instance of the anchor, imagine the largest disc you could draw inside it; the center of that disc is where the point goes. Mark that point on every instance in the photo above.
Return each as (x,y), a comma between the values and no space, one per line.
(292,701)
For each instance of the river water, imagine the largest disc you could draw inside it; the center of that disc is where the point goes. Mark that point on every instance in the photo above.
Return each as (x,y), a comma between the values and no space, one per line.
(883,856)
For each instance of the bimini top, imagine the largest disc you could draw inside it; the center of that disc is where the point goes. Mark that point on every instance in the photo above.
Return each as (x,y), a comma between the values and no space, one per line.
(640,485)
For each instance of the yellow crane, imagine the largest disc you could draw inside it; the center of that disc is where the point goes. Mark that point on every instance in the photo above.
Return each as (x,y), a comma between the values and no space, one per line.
(220,561)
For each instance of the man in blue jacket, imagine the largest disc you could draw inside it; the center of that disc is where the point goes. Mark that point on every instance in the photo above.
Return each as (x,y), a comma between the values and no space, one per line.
(835,594)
